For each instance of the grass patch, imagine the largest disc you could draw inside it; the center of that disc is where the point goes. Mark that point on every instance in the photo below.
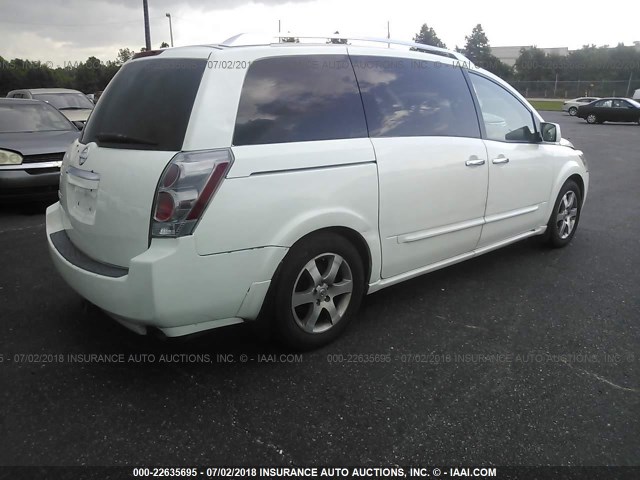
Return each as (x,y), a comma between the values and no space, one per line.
(547,105)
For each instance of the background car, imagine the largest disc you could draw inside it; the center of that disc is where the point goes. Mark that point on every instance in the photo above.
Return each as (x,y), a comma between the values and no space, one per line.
(636,95)
(33,139)
(611,110)
(73,104)
(571,106)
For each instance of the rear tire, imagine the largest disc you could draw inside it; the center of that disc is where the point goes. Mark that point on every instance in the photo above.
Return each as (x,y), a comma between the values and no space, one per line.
(592,118)
(565,216)
(573,111)
(318,290)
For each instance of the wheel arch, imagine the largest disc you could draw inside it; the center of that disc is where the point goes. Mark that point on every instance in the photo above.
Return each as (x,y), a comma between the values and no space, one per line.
(369,261)
(571,171)
(352,236)
(579,181)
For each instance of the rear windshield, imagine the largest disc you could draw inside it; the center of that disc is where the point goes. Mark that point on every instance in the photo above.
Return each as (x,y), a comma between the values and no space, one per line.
(23,116)
(147,105)
(65,101)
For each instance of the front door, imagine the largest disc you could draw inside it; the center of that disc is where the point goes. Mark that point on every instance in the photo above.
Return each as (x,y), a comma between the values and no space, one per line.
(520,169)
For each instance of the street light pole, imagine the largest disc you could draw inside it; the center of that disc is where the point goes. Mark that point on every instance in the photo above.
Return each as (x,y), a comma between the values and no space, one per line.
(147,33)
(170,28)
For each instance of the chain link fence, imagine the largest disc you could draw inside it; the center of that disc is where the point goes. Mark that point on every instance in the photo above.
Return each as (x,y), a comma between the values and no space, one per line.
(577,88)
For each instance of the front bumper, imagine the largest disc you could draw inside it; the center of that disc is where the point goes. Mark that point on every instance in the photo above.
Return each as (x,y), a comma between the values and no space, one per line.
(29,183)
(170,286)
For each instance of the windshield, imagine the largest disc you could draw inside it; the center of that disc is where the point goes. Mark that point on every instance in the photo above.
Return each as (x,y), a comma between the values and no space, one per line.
(65,101)
(147,105)
(633,102)
(31,117)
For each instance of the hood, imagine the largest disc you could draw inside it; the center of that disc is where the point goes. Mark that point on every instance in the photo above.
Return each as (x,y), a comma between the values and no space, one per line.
(566,143)
(36,143)
(77,115)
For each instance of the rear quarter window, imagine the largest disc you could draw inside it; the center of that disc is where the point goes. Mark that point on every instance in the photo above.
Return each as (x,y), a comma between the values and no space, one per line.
(147,105)
(299,98)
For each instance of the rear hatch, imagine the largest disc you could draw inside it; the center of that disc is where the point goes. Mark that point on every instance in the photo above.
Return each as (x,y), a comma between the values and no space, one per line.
(109,179)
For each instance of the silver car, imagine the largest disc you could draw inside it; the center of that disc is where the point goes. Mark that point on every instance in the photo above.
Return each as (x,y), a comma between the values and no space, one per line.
(33,139)
(571,106)
(73,104)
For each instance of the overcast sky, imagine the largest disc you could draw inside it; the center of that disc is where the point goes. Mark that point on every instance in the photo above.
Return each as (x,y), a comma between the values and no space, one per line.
(60,31)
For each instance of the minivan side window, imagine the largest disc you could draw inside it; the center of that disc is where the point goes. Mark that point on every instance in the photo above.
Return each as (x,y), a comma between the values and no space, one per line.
(299,98)
(506,119)
(406,97)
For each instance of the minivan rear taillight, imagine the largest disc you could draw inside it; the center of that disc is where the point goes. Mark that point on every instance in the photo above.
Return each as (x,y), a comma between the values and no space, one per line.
(185,189)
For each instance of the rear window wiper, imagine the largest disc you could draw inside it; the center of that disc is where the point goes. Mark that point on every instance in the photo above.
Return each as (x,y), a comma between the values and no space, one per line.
(122,138)
(74,108)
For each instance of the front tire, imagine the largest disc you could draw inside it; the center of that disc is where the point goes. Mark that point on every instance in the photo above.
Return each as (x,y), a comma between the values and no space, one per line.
(318,290)
(591,118)
(573,111)
(565,216)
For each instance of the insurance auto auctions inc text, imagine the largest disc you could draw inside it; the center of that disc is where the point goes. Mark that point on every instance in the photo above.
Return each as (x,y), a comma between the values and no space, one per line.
(375,472)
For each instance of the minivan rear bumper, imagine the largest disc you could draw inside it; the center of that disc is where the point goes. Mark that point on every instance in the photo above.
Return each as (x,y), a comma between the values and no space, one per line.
(169,286)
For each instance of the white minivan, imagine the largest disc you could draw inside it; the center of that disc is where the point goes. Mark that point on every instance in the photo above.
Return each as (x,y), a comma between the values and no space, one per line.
(214,184)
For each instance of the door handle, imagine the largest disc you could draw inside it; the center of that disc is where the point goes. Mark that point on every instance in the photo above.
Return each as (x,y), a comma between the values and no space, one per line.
(500,159)
(474,161)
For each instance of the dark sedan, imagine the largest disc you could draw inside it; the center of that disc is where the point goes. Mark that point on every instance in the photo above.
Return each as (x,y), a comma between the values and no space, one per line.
(33,139)
(611,110)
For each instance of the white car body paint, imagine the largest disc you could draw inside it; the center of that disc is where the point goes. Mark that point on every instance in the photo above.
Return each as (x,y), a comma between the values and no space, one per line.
(414,217)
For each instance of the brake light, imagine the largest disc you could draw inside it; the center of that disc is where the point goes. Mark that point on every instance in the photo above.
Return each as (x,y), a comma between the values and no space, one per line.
(147,53)
(165,207)
(186,187)
(219,171)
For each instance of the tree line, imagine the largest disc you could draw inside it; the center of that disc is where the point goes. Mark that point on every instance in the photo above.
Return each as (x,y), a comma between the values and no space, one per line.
(89,76)
(533,64)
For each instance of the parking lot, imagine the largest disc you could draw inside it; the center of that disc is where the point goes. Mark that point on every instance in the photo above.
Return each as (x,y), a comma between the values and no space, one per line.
(524,356)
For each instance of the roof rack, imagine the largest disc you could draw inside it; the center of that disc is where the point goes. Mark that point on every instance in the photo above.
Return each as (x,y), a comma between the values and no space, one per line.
(246,39)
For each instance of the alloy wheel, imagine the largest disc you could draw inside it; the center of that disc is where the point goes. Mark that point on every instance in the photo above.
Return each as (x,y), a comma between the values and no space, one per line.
(322,293)
(567,213)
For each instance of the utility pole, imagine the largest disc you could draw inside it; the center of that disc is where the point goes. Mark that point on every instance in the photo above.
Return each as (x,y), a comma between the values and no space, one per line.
(170,28)
(629,85)
(147,33)
(388,34)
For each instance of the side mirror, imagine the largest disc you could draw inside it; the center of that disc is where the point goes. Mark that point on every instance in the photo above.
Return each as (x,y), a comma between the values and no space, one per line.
(79,125)
(550,132)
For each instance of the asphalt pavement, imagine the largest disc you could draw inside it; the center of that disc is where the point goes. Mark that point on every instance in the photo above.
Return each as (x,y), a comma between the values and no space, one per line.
(524,356)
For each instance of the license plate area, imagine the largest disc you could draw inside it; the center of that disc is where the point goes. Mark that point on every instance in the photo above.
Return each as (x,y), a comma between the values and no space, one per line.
(82,196)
